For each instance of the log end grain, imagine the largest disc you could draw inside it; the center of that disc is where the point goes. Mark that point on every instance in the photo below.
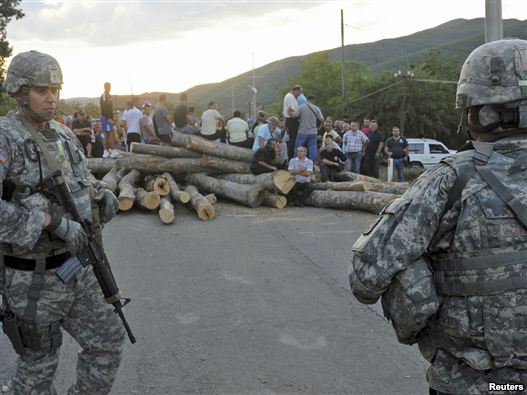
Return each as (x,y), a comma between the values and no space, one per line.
(125,203)
(184,197)
(283,181)
(206,212)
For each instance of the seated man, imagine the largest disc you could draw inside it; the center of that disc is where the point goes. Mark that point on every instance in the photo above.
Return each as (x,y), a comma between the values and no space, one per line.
(302,168)
(237,130)
(265,159)
(147,127)
(82,128)
(265,132)
(332,162)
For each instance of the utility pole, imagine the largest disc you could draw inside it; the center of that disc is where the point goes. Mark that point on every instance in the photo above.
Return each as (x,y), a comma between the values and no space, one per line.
(254,91)
(493,21)
(404,77)
(343,65)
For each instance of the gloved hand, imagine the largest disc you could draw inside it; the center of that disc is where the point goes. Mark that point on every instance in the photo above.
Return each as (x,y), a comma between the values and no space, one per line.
(69,231)
(108,204)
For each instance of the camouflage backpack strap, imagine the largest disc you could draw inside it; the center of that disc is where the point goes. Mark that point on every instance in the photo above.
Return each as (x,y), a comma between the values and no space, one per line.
(464,173)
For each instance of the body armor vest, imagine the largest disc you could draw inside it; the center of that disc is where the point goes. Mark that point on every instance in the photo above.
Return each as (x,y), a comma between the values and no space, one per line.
(28,182)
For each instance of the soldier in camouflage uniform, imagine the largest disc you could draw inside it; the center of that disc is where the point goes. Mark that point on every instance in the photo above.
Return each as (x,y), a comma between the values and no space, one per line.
(37,236)
(449,258)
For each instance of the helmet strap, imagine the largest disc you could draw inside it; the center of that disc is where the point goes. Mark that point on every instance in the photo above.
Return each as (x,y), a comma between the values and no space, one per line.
(23,103)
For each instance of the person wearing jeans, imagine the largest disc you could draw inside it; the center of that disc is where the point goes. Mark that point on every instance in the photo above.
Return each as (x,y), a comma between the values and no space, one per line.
(397,149)
(308,114)
(354,145)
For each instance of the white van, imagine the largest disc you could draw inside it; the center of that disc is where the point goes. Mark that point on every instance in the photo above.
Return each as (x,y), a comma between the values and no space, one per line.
(425,153)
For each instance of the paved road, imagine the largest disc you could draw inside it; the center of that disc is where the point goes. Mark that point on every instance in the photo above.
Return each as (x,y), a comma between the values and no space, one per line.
(253,302)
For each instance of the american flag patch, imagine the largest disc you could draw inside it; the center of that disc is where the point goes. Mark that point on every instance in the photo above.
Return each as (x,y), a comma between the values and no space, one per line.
(3,155)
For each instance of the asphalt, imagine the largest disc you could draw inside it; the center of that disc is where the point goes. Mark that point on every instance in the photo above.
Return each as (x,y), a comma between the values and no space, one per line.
(255,301)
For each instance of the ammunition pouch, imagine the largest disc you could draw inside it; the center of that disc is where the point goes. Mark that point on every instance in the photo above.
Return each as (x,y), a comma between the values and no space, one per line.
(25,336)
(411,300)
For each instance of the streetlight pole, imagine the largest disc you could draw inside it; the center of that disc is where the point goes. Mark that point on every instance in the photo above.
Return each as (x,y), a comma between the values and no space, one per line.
(343,64)
(493,21)
(404,77)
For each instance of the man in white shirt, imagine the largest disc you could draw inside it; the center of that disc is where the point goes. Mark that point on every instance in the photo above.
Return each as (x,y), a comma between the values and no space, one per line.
(289,109)
(301,168)
(132,117)
(237,130)
(212,123)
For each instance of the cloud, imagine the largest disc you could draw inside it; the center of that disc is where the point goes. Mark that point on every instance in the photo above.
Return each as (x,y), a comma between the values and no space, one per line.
(114,23)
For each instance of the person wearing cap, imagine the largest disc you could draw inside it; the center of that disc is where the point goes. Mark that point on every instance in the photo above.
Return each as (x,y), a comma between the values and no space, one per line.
(308,115)
(148,133)
(290,106)
(82,128)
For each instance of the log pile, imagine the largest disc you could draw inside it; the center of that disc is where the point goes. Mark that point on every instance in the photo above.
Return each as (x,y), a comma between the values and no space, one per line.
(193,173)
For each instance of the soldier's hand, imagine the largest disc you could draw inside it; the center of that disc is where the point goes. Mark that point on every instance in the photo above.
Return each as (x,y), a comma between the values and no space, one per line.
(108,204)
(69,231)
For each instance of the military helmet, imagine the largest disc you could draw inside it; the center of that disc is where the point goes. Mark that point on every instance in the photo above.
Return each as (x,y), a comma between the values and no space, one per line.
(32,68)
(494,79)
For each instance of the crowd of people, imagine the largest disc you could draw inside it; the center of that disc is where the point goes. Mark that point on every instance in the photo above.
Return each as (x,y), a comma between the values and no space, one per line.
(296,140)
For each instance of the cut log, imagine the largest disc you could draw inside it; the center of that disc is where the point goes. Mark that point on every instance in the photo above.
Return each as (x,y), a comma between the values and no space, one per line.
(100,165)
(146,200)
(338,186)
(367,201)
(249,195)
(277,181)
(175,194)
(274,200)
(112,178)
(199,144)
(166,211)
(127,187)
(163,150)
(150,164)
(211,198)
(360,177)
(157,184)
(203,208)
(397,188)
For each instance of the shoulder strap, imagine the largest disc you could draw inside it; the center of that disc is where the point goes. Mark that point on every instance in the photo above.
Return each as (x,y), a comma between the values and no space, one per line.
(42,145)
(313,111)
(504,193)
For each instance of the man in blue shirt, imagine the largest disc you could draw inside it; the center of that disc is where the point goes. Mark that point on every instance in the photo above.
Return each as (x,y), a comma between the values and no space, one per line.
(265,132)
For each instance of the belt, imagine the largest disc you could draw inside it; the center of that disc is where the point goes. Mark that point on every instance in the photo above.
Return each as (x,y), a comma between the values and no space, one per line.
(52,262)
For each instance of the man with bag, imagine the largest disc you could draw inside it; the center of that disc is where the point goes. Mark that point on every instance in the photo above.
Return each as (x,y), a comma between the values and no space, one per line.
(310,118)
(449,258)
(38,236)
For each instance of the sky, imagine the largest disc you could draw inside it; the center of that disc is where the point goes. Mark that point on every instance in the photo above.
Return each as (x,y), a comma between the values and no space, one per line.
(172,45)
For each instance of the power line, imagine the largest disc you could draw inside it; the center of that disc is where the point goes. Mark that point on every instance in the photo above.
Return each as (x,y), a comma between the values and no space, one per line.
(369,94)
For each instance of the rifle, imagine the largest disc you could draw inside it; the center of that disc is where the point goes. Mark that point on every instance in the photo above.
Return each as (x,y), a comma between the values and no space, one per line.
(92,255)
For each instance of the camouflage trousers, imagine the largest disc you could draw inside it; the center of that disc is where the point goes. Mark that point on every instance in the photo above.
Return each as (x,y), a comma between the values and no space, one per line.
(80,308)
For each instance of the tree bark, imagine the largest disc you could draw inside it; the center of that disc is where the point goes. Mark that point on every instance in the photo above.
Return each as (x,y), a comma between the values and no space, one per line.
(100,165)
(166,211)
(274,200)
(203,208)
(164,151)
(338,186)
(277,181)
(112,178)
(367,201)
(150,164)
(199,144)
(397,188)
(146,200)
(249,195)
(175,194)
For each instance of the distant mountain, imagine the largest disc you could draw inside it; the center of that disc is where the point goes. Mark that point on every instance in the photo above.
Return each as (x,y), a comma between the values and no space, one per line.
(457,38)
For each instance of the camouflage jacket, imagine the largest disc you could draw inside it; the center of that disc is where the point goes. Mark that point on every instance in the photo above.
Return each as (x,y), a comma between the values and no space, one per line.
(24,204)
(473,339)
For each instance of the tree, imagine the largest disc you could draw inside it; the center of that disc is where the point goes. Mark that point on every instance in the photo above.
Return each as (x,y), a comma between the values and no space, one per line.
(8,11)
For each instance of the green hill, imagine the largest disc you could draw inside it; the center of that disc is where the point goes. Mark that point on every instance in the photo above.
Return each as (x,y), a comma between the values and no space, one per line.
(457,38)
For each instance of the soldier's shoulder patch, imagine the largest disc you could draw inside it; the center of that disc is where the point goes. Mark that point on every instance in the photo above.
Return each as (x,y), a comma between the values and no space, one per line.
(3,155)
